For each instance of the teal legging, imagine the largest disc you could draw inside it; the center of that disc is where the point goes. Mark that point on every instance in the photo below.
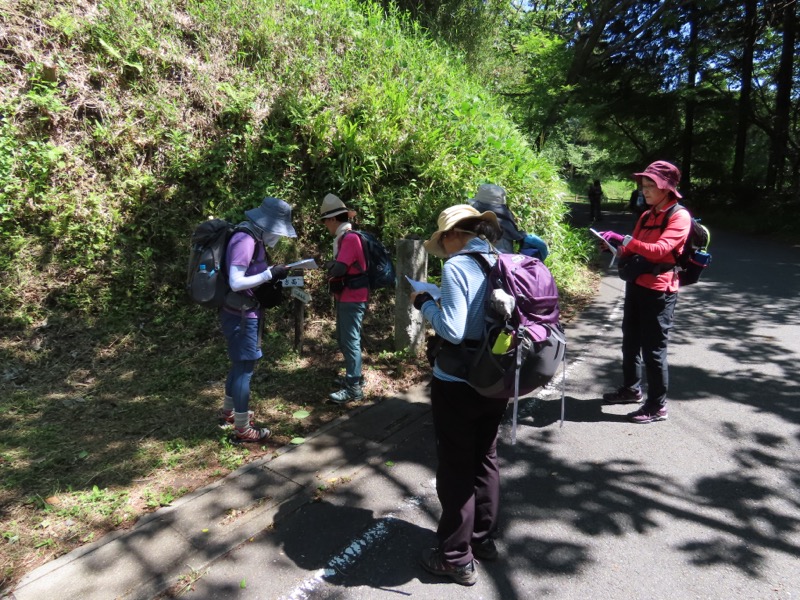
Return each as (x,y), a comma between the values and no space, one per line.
(349,316)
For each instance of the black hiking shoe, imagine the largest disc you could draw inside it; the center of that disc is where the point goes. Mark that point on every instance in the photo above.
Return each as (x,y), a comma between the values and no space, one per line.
(485,550)
(623,395)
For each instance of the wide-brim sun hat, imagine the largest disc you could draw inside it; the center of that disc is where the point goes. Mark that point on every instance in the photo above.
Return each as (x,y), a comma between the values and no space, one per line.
(449,218)
(665,175)
(489,193)
(332,205)
(273,216)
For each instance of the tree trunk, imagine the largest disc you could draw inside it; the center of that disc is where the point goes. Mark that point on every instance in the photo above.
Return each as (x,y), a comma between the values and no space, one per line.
(691,77)
(750,19)
(777,159)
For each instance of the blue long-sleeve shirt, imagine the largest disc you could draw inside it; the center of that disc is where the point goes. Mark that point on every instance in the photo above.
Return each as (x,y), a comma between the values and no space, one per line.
(461,312)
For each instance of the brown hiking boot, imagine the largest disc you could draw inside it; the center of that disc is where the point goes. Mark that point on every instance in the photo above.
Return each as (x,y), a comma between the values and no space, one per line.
(433,562)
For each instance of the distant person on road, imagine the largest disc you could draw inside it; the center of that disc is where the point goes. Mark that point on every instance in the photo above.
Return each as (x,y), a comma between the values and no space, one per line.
(241,317)
(637,203)
(595,193)
(493,197)
(349,284)
(651,298)
(465,423)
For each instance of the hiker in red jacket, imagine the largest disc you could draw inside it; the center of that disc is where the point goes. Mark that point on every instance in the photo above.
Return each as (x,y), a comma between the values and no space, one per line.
(651,293)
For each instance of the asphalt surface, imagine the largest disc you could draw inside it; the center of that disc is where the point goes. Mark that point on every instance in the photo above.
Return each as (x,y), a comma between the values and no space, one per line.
(704,505)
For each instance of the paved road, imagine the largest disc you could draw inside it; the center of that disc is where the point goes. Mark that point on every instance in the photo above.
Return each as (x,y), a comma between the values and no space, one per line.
(705,505)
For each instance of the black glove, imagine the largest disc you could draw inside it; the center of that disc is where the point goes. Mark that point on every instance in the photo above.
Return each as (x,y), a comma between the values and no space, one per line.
(334,268)
(279,272)
(421,299)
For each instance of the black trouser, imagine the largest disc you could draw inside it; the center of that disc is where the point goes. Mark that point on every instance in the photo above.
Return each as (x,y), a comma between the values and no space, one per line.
(468,476)
(646,323)
(594,209)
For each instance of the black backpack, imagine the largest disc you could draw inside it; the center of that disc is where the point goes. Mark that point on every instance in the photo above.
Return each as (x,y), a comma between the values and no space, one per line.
(694,257)
(206,277)
(380,271)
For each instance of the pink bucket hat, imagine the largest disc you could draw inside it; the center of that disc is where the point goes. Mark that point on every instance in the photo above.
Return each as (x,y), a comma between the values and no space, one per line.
(666,175)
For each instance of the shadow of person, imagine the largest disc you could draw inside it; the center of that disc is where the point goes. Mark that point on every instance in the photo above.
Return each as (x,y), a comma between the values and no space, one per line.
(344,545)
(539,413)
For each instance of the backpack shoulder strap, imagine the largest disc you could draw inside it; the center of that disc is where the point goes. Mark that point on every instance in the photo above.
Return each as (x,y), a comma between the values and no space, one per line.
(245,227)
(480,258)
(361,238)
(671,211)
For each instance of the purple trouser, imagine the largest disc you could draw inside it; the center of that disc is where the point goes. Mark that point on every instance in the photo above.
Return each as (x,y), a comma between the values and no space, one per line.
(467,477)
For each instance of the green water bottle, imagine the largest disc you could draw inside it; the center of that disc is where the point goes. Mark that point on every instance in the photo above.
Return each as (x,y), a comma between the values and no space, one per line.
(503,342)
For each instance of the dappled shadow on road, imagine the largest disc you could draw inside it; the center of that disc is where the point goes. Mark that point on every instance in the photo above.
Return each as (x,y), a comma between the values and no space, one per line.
(745,318)
(737,516)
(559,510)
(336,544)
(537,413)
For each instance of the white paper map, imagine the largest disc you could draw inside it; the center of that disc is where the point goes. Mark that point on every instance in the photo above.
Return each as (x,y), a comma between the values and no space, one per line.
(306,263)
(611,248)
(423,286)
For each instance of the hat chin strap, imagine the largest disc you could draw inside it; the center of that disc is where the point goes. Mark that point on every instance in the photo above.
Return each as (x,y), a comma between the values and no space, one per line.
(667,199)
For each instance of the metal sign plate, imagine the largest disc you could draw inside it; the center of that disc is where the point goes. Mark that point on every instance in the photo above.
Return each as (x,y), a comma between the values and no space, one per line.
(294,281)
(304,297)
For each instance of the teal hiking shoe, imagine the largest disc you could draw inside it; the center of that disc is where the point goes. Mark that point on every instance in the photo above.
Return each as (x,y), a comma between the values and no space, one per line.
(346,394)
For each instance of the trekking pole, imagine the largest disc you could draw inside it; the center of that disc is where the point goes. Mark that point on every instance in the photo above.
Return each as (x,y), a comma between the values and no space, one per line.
(516,395)
(563,384)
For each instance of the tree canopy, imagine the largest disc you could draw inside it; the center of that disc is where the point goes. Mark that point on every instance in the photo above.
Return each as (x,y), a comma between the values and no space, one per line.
(604,86)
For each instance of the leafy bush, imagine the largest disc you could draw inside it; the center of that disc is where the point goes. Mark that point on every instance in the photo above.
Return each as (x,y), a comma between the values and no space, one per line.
(154,117)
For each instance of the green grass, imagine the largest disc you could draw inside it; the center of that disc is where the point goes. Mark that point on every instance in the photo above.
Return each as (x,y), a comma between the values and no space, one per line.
(102,425)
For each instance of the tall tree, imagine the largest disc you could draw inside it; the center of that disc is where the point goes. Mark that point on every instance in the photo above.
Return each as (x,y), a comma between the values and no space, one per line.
(746,88)
(690,102)
(705,83)
(783,93)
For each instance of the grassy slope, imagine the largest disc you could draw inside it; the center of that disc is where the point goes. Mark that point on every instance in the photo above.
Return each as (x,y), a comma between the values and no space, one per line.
(138,121)
(121,125)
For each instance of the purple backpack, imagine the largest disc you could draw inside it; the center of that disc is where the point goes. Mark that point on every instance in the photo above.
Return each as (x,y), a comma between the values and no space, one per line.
(523,342)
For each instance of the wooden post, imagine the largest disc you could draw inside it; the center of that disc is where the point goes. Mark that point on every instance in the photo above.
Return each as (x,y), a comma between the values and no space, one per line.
(299,311)
(409,326)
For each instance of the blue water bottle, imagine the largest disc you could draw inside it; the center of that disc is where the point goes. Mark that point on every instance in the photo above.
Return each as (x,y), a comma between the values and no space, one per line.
(701,258)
